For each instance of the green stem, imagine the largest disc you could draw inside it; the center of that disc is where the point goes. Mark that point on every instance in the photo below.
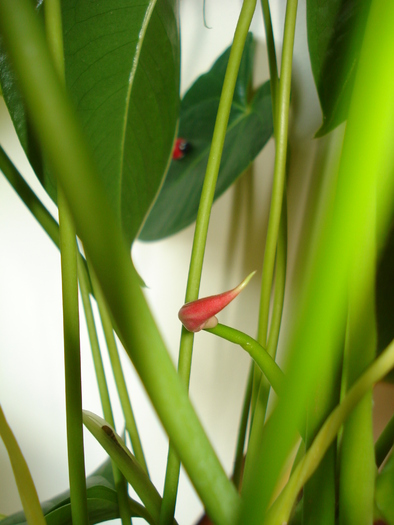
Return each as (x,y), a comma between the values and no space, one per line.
(72,352)
(201,232)
(270,42)
(65,146)
(277,215)
(259,354)
(281,135)
(120,382)
(72,363)
(281,509)
(243,426)
(120,483)
(30,199)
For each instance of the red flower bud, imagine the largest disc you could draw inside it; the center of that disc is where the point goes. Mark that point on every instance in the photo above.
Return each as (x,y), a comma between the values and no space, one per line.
(200,314)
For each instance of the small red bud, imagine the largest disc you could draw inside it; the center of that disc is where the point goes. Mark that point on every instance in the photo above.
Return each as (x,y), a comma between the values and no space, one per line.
(200,314)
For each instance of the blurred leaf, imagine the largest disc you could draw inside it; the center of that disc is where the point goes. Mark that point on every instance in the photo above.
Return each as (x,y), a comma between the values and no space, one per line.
(335,31)
(249,129)
(102,502)
(384,491)
(122,73)
(385,297)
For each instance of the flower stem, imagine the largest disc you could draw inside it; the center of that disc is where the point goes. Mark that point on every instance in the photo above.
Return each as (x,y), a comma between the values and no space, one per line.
(259,354)
(201,232)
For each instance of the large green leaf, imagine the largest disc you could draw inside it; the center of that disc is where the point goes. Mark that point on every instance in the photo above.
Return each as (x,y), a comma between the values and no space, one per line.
(249,129)
(335,30)
(122,73)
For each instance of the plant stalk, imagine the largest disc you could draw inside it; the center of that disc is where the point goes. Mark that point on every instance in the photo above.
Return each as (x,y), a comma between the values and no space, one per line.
(200,235)
(72,351)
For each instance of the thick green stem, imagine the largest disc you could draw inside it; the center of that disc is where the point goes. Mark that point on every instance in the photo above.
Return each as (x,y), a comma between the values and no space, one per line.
(65,147)
(201,232)
(72,352)
(72,363)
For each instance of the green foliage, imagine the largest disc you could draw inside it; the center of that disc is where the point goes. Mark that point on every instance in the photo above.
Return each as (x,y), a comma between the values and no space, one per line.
(122,73)
(107,146)
(102,502)
(249,129)
(335,31)
(384,493)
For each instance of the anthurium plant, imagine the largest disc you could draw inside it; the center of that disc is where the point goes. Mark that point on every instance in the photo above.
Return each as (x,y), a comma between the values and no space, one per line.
(92,89)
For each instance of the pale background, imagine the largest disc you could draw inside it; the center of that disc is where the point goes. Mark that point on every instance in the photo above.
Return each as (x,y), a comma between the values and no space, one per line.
(31,353)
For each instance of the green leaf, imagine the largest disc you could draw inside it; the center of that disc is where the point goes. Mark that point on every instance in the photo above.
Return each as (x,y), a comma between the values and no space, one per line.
(335,31)
(122,73)
(249,129)
(102,502)
(384,491)
(125,461)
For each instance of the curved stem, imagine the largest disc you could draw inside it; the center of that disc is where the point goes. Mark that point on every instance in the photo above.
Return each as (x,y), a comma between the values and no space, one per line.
(281,509)
(201,232)
(259,354)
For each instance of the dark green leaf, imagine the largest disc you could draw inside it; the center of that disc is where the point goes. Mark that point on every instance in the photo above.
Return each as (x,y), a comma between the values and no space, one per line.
(385,297)
(122,73)
(249,129)
(122,70)
(335,31)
